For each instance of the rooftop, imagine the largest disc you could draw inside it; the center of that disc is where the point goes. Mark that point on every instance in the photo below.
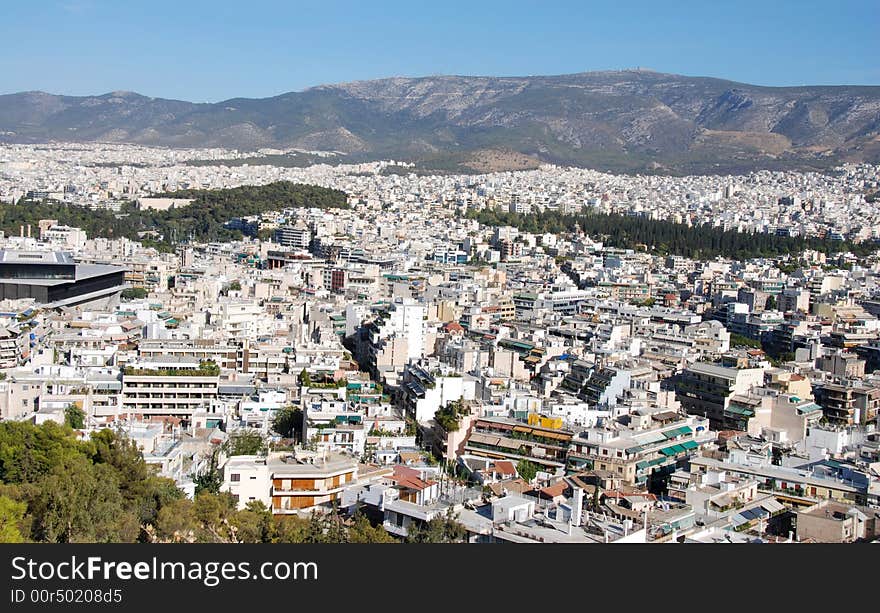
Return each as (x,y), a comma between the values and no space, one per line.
(12,256)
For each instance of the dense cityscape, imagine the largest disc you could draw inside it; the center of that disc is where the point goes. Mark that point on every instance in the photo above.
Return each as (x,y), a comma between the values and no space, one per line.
(392,355)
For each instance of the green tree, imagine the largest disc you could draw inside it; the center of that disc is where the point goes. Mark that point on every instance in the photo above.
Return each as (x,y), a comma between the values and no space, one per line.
(449,417)
(244,442)
(215,514)
(204,219)
(134,293)
(235,286)
(288,422)
(27,451)
(12,520)
(527,470)
(80,502)
(362,531)
(210,479)
(738,340)
(142,492)
(770,304)
(253,524)
(444,528)
(289,529)
(304,379)
(79,491)
(176,521)
(74,417)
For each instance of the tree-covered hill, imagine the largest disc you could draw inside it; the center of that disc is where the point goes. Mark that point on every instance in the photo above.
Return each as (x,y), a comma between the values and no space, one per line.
(55,488)
(202,220)
(666,237)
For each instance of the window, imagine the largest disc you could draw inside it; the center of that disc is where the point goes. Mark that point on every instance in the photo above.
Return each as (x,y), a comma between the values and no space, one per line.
(235,477)
(253,477)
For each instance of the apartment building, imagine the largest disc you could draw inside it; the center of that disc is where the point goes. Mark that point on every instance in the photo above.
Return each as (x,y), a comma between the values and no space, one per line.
(224,354)
(502,438)
(848,405)
(706,389)
(288,483)
(832,522)
(396,335)
(642,448)
(425,390)
(177,387)
(298,236)
(788,483)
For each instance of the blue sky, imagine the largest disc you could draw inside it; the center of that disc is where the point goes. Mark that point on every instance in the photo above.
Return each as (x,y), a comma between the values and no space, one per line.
(213,50)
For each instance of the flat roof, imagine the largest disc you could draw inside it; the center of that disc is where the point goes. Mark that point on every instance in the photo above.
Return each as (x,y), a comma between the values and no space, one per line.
(83,272)
(15,256)
(713,369)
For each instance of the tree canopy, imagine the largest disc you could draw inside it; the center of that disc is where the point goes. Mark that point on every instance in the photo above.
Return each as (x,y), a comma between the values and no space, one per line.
(527,470)
(288,422)
(443,528)
(204,219)
(55,488)
(666,237)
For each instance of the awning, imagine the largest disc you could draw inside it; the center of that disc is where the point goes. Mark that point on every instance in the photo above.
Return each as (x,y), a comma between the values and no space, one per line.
(650,437)
(484,439)
(508,443)
(736,410)
(690,445)
(560,436)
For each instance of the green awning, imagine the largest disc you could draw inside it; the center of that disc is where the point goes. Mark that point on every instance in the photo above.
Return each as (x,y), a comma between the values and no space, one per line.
(642,465)
(668,451)
(689,445)
(677,432)
(678,449)
(736,410)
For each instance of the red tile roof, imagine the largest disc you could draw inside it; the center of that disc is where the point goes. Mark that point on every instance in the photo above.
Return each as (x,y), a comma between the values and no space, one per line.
(409,478)
(557,489)
(505,467)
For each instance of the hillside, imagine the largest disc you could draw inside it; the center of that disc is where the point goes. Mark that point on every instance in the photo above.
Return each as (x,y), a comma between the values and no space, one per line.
(620,120)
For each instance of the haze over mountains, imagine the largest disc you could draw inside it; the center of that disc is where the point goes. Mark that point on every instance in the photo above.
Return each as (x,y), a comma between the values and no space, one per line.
(620,120)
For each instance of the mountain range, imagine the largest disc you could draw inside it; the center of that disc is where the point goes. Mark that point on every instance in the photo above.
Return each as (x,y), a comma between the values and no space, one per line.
(630,120)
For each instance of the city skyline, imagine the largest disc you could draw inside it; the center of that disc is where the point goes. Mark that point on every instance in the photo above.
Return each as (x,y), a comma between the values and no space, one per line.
(595,302)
